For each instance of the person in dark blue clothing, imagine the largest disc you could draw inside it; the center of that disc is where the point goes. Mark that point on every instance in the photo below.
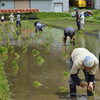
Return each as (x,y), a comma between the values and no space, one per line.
(18,21)
(77,18)
(69,31)
(38,26)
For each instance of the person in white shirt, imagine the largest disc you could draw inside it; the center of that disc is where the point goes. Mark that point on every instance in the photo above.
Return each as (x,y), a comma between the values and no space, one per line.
(82,59)
(82,21)
(18,21)
(11,18)
(2,18)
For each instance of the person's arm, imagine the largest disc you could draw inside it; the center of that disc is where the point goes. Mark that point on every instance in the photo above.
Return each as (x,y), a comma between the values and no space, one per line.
(77,80)
(78,17)
(64,40)
(90,86)
(72,39)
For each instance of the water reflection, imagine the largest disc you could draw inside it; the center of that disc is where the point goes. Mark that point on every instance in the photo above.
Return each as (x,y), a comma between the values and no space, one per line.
(99,35)
(50,47)
(18,32)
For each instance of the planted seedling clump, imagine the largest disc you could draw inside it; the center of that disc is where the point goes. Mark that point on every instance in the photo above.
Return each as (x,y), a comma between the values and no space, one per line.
(3,50)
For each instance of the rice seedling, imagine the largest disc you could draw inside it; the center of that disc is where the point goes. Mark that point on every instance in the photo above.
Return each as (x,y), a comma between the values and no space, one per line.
(35,37)
(19,39)
(15,68)
(24,49)
(47,44)
(40,60)
(4,57)
(4,87)
(0,29)
(8,42)
(37,84)
(49,25)
(5,25)
(2,33)
(65,55)
(14,35)
(35,52)
(27,36)
(12,49)
(6,36)
(63,89)
(80,32)
(66,74)
(17,56)
(7,29)
(3,50)
(0,39)
(15,63)
(96,94)
(47,49)
(26,41)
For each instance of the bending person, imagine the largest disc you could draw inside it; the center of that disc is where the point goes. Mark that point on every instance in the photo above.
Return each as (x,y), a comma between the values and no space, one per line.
(69,31)
(38,26)
(81,58)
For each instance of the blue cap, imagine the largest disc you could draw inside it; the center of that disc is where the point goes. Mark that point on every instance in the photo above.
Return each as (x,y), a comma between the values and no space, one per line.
(75,8)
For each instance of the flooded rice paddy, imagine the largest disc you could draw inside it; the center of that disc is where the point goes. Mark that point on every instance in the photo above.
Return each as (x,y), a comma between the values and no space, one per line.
(48,69)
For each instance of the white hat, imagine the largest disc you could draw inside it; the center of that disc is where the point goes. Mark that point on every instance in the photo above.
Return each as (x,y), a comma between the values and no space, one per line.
(18,11)
(88,61)
(82,13)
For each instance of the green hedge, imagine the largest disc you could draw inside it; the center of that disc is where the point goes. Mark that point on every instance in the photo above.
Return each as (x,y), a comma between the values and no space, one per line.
(53,14)
(24,16)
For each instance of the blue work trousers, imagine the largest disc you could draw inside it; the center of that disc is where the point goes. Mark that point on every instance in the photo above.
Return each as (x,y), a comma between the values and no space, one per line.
(18,23)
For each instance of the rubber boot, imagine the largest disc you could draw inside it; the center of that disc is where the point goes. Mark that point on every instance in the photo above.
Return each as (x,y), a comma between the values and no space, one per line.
(73,90)
(91,93)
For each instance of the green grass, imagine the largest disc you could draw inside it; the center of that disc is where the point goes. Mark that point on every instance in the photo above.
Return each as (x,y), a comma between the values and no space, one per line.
(4,88)
(88,27)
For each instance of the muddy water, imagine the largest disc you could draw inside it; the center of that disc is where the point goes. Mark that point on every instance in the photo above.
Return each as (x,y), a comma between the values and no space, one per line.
(49,73)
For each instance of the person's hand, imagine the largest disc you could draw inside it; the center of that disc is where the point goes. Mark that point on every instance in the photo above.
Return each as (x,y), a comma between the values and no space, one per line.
(82,84)
(90,87)
(71,41)
(98,75)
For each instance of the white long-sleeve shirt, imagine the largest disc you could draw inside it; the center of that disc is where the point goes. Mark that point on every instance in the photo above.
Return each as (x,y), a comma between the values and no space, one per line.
(78,56)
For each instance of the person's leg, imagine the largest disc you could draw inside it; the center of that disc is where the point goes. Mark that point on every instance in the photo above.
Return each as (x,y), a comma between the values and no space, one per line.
(36,28)
(78,25)
(72,85)
(20,24)
(64,40)
(82,26)
(86,78)
(73,39)
(17,24)
(40,29)
(11,21)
